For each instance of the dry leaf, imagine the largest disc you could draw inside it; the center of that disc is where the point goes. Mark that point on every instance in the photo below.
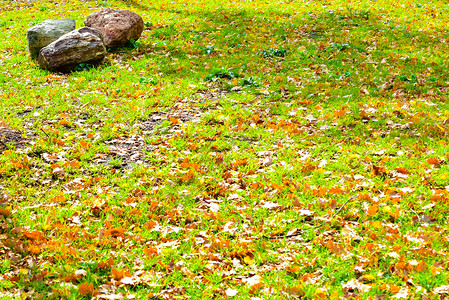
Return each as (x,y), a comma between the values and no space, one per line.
(372,210)
(86,289)
(231,292)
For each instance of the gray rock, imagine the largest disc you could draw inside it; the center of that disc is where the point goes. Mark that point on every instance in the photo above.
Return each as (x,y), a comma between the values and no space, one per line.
(47,32)
(118,26)
(83,45)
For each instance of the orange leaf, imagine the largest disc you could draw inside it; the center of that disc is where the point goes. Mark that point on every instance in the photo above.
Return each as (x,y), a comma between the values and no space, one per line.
(422,266)
(340,113)
(187,176)
(254,288)
(115,232)
(402,170)
(174,121)
(33,249)
(366,197)
(59,198)
(84,144)
(434,161)
(117,274)
(72,163)
(58,142)
(64,115)
(372,210)
(5,211)
(295,269)
(105,264)
(395,214)
(86,289)
(150,251)
(71,278)
(394,289)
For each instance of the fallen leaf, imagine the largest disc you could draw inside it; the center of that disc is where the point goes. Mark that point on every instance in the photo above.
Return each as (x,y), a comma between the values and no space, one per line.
(434,161)
(86,289)
(372,210)
(231,292)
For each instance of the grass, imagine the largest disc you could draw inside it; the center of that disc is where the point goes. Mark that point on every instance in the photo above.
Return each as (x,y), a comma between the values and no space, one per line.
(245,149)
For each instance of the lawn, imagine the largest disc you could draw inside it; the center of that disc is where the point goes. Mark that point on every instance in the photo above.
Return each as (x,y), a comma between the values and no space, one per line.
(238,149)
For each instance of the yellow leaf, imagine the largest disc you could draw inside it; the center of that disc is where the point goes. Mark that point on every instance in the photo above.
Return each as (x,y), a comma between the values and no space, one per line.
(139,93)
(319,294)
(377,224)
(368,278)
(248,260)
(435,270)
(23,271)
(441,128)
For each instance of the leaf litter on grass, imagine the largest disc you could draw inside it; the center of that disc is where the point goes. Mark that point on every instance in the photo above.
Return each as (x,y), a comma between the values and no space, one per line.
(244,150)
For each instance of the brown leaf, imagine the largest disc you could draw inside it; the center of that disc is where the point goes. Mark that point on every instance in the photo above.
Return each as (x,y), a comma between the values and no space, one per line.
(402,170)
(86,289)
(378,171)
(296,203)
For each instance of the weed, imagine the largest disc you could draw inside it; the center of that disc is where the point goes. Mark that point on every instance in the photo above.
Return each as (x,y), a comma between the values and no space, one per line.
(274,52)
(221,73)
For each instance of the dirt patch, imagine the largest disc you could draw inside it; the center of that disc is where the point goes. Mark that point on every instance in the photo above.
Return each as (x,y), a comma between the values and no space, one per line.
(212,94)
(157,118)
(126,152)
(11,139)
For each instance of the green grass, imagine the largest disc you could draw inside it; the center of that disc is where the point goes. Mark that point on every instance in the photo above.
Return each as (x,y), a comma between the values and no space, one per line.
(252,148)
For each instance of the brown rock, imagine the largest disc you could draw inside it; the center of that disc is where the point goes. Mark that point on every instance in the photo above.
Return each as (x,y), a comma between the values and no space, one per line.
(117,26)
(83,45)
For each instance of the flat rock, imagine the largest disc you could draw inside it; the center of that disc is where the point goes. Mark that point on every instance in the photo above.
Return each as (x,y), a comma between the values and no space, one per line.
(83,45)
(117,26)
(45,33)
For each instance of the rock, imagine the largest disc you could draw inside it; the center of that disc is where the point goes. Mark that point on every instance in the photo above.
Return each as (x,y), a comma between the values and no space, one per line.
(47,32)
(118,26)
(83,45)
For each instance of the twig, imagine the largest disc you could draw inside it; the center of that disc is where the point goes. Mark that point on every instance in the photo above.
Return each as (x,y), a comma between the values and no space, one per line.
(278,237)
(419,218)
(45,133)
(1,142)
(344,204)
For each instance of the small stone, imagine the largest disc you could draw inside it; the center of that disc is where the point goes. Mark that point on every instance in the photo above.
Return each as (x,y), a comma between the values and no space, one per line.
(45,33)
(83,45)
(118,27)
